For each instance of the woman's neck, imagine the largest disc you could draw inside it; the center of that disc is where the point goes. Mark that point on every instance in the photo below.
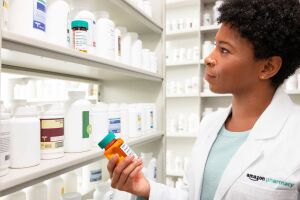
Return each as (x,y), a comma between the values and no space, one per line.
(247,107)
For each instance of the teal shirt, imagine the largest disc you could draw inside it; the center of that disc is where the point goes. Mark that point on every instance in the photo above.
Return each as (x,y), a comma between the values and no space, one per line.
(223,149)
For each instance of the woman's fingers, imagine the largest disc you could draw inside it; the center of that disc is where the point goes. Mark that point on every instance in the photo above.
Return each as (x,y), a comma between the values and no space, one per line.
(112,164)
(133,174)
(127,171)
(119,169)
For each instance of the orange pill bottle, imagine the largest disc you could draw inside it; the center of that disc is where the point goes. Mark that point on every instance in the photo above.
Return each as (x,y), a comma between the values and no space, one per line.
(114,146)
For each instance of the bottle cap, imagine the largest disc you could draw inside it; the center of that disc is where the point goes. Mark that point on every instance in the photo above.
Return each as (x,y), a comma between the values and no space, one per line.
(106,140)
(80,23)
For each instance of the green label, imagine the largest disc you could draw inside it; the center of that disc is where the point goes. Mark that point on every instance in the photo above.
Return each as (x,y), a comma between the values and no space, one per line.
(86,127)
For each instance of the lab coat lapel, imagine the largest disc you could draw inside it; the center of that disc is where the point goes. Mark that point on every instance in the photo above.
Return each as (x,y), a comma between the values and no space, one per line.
(248,153)
(267,126)
(203,148)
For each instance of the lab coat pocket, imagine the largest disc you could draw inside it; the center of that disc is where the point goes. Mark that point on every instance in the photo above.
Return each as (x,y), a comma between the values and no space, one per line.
(250,191)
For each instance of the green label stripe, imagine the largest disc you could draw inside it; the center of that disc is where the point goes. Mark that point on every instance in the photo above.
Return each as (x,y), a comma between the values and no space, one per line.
(42,1)
(86,127)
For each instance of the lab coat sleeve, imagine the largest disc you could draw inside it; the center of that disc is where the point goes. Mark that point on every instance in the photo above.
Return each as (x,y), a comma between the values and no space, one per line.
(159,191)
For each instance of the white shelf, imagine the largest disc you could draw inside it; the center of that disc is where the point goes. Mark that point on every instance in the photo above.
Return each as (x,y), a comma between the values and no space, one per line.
(210,28)
(42,56)
(291,92)
(183,96)
(178,64)
(175,173)
(20,178)
(182,135)
(182,35)
(181,3)
(211,94)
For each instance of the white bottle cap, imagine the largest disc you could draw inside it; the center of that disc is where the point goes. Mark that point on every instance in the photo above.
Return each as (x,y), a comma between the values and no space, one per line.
(103,14)
(52,109)
(122,29)
(26,111)
(134,35)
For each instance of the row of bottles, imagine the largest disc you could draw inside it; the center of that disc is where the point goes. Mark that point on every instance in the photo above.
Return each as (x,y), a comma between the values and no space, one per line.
(32,134)
(90,32)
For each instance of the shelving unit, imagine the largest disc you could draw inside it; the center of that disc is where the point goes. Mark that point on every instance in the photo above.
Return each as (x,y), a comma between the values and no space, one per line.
(21,178)
(183,34)
(118,83)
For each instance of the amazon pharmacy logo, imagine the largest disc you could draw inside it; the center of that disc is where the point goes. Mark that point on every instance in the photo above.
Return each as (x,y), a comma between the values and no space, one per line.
(269,180)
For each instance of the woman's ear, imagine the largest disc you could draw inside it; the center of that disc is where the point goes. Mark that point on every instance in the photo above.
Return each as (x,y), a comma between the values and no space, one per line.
(270,67)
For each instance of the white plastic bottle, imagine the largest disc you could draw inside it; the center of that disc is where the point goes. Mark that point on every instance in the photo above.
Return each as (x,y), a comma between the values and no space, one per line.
(37,192)
(151,117)
(146,59)
(152,169)
(141,110)
(153,62)
(55,188)
(99,121)
(216,13)
(58,13)
(118,40)
(124,120)
(91,176)
(25,137)
(77,123)
(89,17)
(135,121)
(126,48)
(101,190)
(136,50)
(20,195)
(105,36)
(71,196)
(114,119)
(4,140)
(28,18)
(52,131)
(5,14)
(70,182)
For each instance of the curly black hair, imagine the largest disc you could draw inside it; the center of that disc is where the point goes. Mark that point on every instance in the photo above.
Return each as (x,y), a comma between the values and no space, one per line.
(271,26)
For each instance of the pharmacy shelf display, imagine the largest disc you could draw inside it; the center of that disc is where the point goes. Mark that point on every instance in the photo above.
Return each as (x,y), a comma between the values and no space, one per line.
(21,178)
(117,82)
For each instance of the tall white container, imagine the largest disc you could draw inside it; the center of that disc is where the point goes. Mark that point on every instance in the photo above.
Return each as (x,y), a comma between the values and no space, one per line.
(89,17)
(124,120)
(70,182)
(118,40)
(114,119)
(91,176)
(135,121)
(52,131)
(28,18)
(25,137)
(126,48)
(20,195)
(4,140)
(37,192)
(136,50)
(153,62)
(101,190)
(77,123)
(151,117)
(99,121)
(55,188)
(105,36)
(58,13)
(146,59)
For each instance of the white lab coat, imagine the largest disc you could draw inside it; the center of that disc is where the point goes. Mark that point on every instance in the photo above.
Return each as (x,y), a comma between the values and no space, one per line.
(270,154)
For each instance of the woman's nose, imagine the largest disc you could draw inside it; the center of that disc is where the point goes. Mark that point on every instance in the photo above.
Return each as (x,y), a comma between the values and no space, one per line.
(209,61)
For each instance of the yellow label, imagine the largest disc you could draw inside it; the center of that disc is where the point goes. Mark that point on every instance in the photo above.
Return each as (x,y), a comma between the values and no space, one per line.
(51,145)
(52,123)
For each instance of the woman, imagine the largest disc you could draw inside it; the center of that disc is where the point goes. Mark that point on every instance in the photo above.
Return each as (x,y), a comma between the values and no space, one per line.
(250,150)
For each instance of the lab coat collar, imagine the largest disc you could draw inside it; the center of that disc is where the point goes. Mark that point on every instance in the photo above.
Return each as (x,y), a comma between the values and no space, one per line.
(273,118)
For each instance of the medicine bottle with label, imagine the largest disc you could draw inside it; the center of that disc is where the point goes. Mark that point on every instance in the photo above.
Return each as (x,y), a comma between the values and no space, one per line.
(114,146)
(80,35)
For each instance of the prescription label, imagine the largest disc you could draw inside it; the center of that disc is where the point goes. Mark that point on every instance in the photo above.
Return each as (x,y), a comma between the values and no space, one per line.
(127,150)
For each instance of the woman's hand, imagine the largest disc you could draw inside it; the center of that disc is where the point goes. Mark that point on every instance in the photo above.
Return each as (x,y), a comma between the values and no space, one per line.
(127,176)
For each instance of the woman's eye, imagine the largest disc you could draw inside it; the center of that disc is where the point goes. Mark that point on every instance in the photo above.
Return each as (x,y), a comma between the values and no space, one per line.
(223,50)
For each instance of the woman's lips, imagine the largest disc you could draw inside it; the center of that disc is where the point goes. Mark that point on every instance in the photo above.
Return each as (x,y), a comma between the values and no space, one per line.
(209,76)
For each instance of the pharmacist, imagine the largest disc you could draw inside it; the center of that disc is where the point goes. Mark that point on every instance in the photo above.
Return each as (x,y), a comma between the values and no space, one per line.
(250,150)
